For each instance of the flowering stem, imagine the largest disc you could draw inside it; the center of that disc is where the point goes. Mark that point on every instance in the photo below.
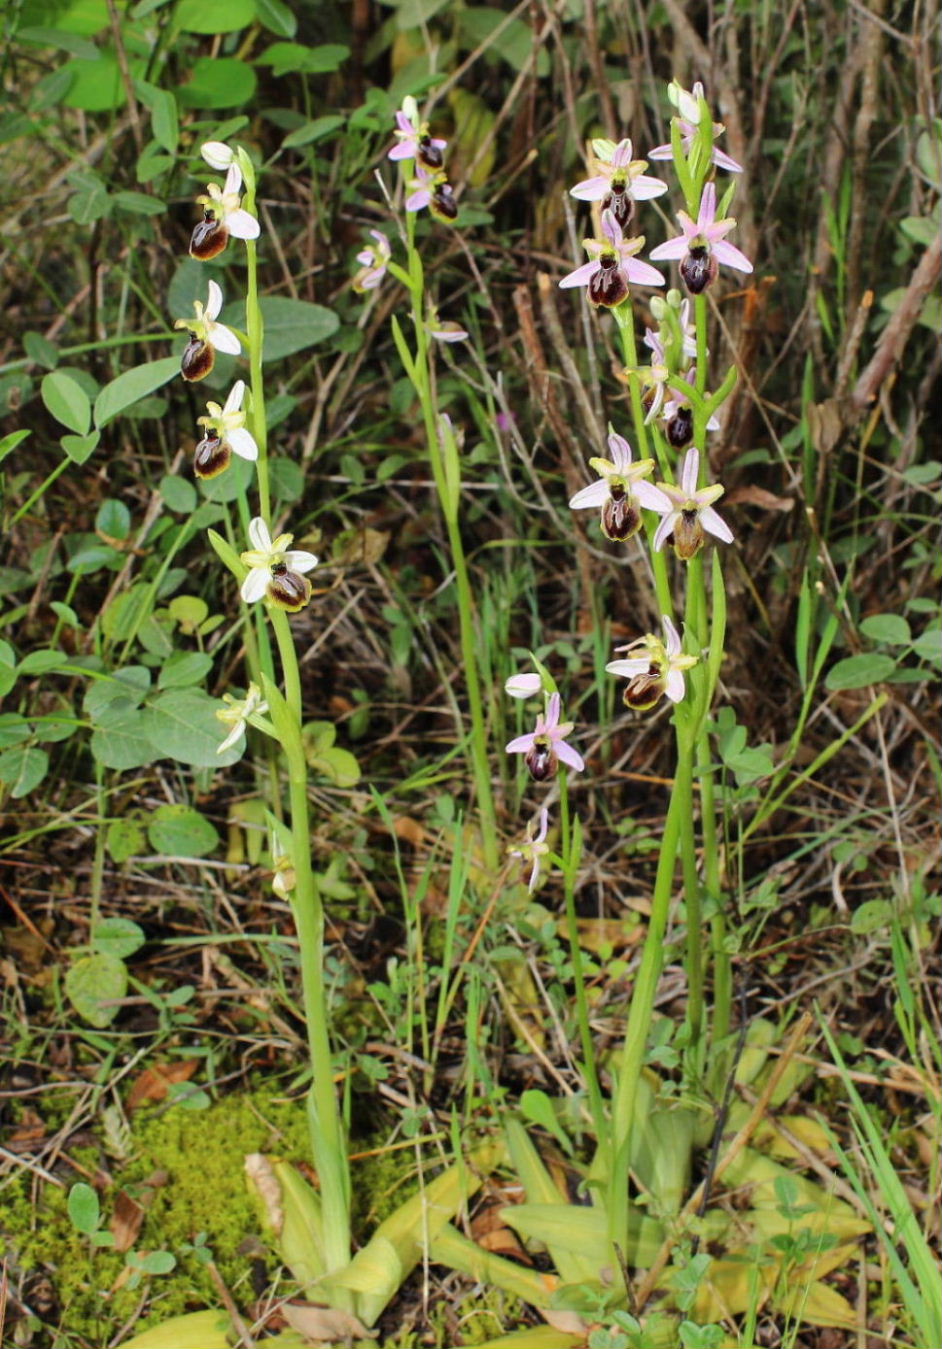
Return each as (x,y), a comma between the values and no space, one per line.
(255,331)
(642,998)
(449,495)
(327,1135)
(571,851)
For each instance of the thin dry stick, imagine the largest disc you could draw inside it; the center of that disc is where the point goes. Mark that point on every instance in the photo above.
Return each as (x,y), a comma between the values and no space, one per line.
(736,1146)
(897,331)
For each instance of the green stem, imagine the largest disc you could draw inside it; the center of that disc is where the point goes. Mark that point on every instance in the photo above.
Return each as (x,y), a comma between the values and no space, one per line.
(642,998)
(449,496)
(570,850)
(330,1157)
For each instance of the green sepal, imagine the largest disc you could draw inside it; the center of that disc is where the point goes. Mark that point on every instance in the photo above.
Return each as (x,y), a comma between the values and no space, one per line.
(227,555)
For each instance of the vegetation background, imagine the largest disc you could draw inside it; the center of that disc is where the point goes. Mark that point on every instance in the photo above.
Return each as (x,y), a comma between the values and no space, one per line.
(150,1017)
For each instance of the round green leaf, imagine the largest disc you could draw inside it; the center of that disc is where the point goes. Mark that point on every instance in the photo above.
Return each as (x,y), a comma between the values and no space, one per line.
(181,831)
(80,448)
(276,17)
(95,86)
(118,937)
(67,402)
(122,743)
(871,916)
(196,16)
(84,1209)
(889,628)
(182,725)
(94,981)
(14,729)
(132,386)
(113,519)
(178,494)
(23,768)
(856,672)
(218,82)
(124,839)
(183,669)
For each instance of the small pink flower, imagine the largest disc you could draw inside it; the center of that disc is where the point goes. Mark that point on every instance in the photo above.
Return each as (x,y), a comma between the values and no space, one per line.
(534,849)
(688,105)
(659,672)
(413,139)
(620,491)
(688,511)
(612,267)
(619,182)
(701,247)
(546,744)
(373,260)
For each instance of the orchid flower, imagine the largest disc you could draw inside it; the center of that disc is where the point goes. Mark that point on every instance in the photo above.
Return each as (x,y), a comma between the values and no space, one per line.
(240,713)
(443,330)
(546,744)
(677,414)
(414,141)
(373,260)
(224,432)
(659,672)
(206,337)
(688,512)
(434,191)
(701,247)
(534,849)
(523,685)
(612,267)
(688,105)
(275,569)
(658,342)
(619,182)
(620,491)
(222,216)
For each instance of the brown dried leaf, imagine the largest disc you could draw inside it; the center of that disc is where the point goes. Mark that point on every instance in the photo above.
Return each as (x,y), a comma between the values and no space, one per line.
(154,1083)
(410,830)
(126,1221)
(323,1325)
(261,1174)
(570,1322)
(750,495)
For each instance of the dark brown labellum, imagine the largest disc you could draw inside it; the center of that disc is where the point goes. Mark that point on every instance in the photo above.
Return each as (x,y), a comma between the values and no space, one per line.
(288,589)
(644,690)
(688,535)
(198,359)
(211,457)
(428,154)
(621,204)
(443,205)
(541,761)
(680,428)
(609,285)
(699,269)
(209,238)
(621,518)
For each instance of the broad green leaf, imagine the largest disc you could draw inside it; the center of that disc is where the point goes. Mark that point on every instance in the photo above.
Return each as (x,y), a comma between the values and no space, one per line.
(94,981)
(67,401)
(184,668)
(162,107)
(84,1209)
(14,730)
(54,37)
(138,203)
(287,57)
(85,17)
(117,937)
(9,443)
(314,131)
(80,448)
(40,350)
(514,43)
(276,17)
(227,554)
(290,325)
(96,86)
(178,494)
(196,16)
(414,13)
(113,519)
(182,725)
(124,839)
(23,769)
(218,82)
(196,1330)
(856,672)
(126,612)
(132,386)
(129,684)
(286,478)
(90,201)
(889,628)
(180,831)
(339,765)
(121,742)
